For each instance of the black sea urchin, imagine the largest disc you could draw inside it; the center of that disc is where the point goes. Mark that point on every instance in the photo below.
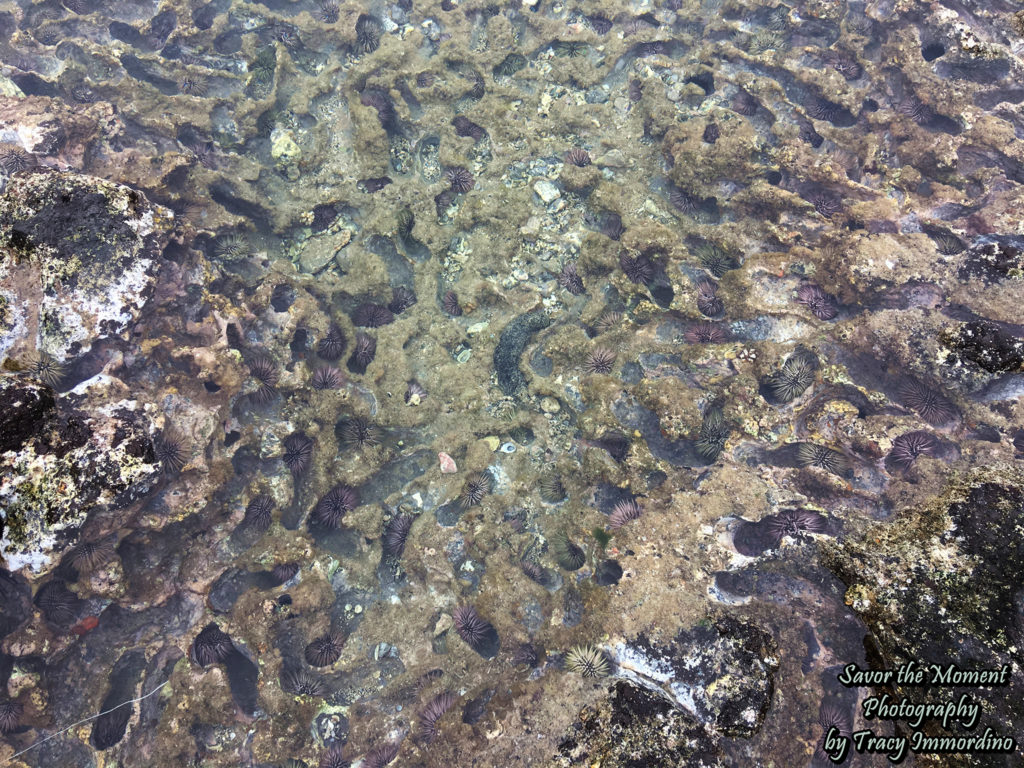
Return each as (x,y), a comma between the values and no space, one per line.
(832,715)
(638,269)
(599,360)
(477,486)
(459,179)
(368,32)
(821,304)
(302,682)
(930,404)
(792,380)
(357,432)
(46,369)
(87,556)
(326,377)
(325,650)
(551,489)
(625,511)
(282,573)
(432,712)
(211,646)
(715,259)
(570,279)
(329,11)
(568,554)
(396,532)
(258,513)
(587,661)
(334,505)
(714,431)
(298,452)
(57,602)
(10,715)
(822,457)
(909,446)
(14,158)
(264,370)
(171,452)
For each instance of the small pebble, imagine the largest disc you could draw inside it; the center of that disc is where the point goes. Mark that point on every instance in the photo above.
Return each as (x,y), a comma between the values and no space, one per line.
(492,442)
(448,466)
(508,448)
(550,405)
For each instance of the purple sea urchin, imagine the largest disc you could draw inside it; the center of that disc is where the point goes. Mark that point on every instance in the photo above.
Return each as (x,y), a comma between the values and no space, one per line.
(450,304)
(599,360)
(706,333)
(325,650)
(381,755)
(471,628)
(56,601)
(326,377)
(909,446)
(795,523)
(625,511)
(570,279)
(402,298)
(432,713)
(638,269)
(298,452)
(459,179)
(578,157)
(414,393)
(211,646)
(831,715)
(14,158)
(329,11)
(332,345)
(371,315)
(363,353)
(334,505)
(282,573)
(708,303)
(821,304)
(467,128)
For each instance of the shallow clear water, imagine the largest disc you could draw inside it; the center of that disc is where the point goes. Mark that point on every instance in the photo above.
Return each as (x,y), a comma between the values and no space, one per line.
(493,383)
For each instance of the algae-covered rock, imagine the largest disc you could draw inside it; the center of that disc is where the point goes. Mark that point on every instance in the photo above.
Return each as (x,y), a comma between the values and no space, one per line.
(59,464)
(78,259)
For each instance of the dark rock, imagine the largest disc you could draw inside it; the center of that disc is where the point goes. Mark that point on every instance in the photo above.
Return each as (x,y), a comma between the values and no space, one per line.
(108,729)
(510,348)
(24,409)
(638,728)
(985,345)
(726,667)
(966,557)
